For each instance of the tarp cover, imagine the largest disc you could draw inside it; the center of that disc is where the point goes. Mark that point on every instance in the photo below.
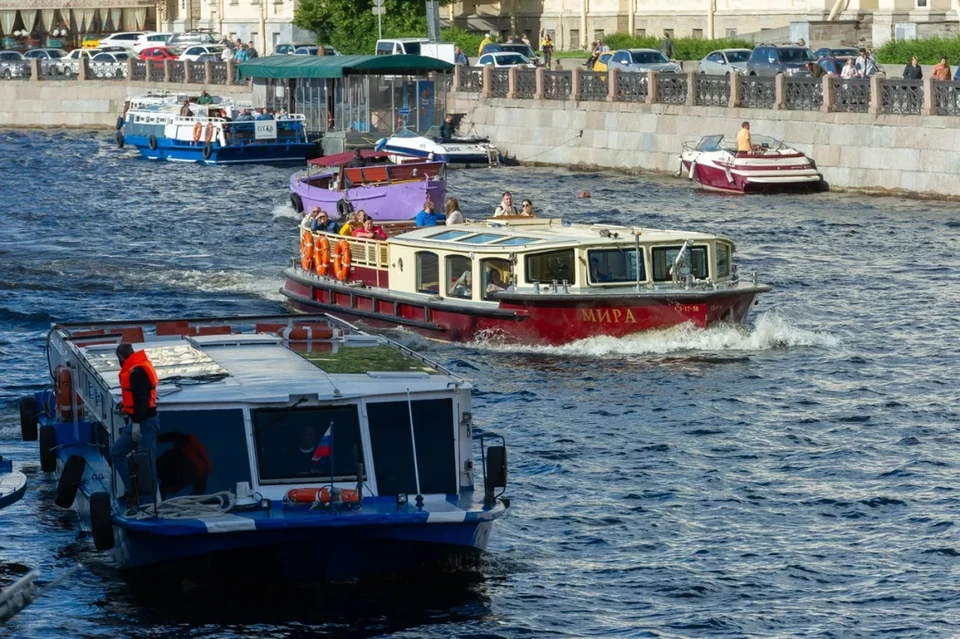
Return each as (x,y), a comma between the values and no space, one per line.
(337,66)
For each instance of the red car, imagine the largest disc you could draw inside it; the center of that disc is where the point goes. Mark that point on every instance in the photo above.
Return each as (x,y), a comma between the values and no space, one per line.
(157,53)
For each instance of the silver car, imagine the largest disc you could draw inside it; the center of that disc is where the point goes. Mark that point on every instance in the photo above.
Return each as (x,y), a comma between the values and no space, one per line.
(725,61)
(642,60)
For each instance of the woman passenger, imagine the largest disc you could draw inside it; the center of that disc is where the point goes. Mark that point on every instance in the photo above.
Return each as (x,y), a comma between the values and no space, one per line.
(369,231)
(353,222)
(526,208)
(454,216)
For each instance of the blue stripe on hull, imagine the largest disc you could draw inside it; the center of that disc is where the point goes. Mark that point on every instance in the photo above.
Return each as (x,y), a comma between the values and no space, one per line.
(242,154)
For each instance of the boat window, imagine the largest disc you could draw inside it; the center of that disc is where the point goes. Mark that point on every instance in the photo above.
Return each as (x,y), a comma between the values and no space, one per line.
(546,267)
(723,259)
(448,235)
(307,444)
(496,277)
(515,241)
(459,276)
(200,452)
(428,273)
(615,265)
(433,428)
(664,257)
(483,238)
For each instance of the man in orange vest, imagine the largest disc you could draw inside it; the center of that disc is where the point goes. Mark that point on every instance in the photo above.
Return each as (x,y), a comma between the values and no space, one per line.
(138,390)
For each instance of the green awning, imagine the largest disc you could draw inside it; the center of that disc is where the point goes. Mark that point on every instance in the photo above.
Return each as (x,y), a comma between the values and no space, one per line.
(337,66)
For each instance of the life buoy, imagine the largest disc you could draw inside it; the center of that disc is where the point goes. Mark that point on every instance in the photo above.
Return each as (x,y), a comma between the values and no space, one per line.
(305,333)
(321,254)
(344,208)
(320,495)
(341,260)
(197,131)
(207,150)
(152,142)
(64,385)
(208,134)
(306,250)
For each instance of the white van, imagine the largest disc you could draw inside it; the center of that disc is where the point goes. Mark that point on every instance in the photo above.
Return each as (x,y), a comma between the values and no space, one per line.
(416,46)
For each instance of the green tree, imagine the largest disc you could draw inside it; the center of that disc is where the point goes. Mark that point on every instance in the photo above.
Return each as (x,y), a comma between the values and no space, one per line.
(351,27)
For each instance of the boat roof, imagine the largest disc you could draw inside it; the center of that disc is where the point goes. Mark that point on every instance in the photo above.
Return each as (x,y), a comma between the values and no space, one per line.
(496,234)
(264,367)
(342,158)
(337,66)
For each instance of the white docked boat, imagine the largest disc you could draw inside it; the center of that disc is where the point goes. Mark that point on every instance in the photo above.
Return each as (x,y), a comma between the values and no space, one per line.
(771,166)
(463,151)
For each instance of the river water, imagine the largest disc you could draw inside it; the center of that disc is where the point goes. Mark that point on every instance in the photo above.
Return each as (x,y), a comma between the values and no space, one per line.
(794,478)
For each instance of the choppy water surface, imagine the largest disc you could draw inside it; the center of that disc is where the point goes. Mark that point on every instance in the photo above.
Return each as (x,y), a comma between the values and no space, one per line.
(797,478)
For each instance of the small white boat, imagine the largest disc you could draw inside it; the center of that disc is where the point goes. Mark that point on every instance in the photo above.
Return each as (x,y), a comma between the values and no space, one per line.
(770,167)
(458,151)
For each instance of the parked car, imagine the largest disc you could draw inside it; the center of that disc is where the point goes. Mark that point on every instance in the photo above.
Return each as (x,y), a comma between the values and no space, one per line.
(125,39)
(158,54)
(522,49)
(151,40)
(771,59)
(504,60)
(602,60)
(91,41)
(400,46)
(287,49)
(190,38)
(76,54)
(194,52)
(832,65)
(209,57)
(840,52)
(45,54)
(641,61)
(725,61)
(120,56)
(110,65)
(312,49)
(14,65)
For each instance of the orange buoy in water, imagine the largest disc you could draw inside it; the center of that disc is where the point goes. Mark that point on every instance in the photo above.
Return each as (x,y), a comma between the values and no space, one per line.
(583,194)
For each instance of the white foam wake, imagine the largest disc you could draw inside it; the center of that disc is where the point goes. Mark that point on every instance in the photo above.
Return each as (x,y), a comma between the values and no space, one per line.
(770,331)
(285,212)
(226,282)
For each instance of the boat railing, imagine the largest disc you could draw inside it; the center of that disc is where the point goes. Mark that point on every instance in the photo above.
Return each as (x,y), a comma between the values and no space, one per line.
(366,252)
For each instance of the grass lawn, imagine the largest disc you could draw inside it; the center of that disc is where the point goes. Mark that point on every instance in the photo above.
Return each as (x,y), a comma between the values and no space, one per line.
(362,359)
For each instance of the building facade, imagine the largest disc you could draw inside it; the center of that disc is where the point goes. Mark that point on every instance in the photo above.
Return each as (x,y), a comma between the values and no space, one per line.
(264,22)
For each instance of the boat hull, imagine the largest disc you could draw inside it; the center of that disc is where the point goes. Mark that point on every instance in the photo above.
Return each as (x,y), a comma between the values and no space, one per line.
(550,318)
(399,201)
(472,157)
(752,174)
(179,151)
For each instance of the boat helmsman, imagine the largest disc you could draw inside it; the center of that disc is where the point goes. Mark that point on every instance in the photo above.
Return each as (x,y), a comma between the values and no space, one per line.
(138,389)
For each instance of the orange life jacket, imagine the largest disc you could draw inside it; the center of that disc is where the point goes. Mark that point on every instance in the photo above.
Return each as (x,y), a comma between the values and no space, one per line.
(197,454)
(138,359)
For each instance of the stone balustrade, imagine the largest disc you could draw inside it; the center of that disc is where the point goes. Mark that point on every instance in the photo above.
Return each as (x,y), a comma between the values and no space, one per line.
(876,95)
(166,72)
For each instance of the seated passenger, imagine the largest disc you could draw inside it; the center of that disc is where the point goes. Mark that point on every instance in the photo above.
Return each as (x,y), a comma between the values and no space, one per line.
(454,216)
(506,206)
(263,115)
(244,116)
(307,221)
(463,287)
(495,283)
(370,231)
(321,222)
(427,217)
(356,161)
(353,222)
(526,208)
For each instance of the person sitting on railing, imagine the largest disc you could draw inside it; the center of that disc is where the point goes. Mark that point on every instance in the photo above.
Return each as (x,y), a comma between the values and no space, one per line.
(427,216)
(369,231)
(942,70)
(321,222)
(185,111)
(913,71)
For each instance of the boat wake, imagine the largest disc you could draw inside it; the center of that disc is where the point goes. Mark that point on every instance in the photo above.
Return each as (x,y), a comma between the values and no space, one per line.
(284,212)
(770,332)
(225,282)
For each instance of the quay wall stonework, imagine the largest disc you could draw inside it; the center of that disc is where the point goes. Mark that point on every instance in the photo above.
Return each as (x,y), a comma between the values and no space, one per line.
(908,154)
(85,104)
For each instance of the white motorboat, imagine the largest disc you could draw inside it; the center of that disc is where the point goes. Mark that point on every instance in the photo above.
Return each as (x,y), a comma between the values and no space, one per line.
(458,151)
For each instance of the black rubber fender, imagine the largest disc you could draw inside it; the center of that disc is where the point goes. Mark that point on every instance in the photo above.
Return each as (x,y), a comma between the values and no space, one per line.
(296,202)
(101,520)
(152,142)
(344,208)
(70,481)
(48,445)
(207,150)
(120,140)
(119,122)
(28,419)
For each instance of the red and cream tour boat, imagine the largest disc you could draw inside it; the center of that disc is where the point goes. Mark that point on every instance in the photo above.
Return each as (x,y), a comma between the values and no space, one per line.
(534,280)
(771,167)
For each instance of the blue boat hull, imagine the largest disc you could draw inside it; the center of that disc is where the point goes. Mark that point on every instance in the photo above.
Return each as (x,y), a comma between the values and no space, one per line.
(267,153)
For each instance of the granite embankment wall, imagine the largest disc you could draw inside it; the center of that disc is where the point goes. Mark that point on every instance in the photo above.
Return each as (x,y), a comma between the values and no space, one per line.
(909,154)
(85,104)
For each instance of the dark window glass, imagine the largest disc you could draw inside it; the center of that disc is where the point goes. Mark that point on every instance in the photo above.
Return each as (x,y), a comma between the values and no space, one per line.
(795,55)
(723,259)
(428,272)
(459,276)
(291,446)
(738,56)
(433,428)
(546,267)
(664,256)
(614,265)
(189,435)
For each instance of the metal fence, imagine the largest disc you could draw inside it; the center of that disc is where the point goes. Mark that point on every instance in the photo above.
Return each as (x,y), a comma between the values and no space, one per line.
(108,70)
(499,83)
(757,92)
(526,83)
(901,96)
(14,70)
(671,88)
(593,86)
(198,72)
(140,70)
(803,94)
(218,73)
(851,95)
(177,70)
(470,79)
(946,98)
(632,87)
(58,69)
(713,90)
(557,85)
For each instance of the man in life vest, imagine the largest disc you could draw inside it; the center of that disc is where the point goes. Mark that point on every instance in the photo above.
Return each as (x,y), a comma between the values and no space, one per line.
(138,388)
(187,464)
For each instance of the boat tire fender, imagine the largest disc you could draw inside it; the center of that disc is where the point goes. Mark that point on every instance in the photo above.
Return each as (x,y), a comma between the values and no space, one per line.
(321,256)
(342,259)
(207,150)
(119,122)
(101,521)
(296,202)
(152,142)
(70,481)
(344,208)
(28,419)
(48,445)
(120,140)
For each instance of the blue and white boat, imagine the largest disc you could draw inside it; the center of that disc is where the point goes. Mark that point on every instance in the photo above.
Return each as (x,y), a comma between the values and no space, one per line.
(13,484)
(294,448)
(454,151)
(211,136)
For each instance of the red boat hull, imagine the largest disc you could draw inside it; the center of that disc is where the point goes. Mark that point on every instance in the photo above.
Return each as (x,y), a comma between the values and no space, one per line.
(547,318)
(716,178)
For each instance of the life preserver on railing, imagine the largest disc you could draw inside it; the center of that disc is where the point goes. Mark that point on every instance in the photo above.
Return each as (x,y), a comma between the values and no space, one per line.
(306,250)
(321,254)
(309,496)
(197,131)
(305,332)
(208,134)
(341,260)
(64,393)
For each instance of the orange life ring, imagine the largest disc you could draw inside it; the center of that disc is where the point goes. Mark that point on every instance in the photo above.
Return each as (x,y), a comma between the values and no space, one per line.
(208,135)
(64,392)
(197,130)
(320,495)
(341,260)
(321,249)
(306,250)
(305,332)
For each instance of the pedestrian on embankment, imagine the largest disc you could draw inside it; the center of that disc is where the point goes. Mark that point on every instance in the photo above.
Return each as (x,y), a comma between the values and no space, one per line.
(913,71)
(666,46)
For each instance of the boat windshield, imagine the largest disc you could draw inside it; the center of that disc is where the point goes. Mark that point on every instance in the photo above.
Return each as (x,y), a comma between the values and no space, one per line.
(433,132)
(406,133)
(766,142)
(710,143)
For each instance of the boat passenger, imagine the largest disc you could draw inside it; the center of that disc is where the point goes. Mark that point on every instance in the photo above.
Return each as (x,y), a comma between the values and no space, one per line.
(244,116)
(463,286)
(454,216)
(526,208)
(138,389)
(321,222)
(447,130)
(205,98)
(370,231)
(427,217)
(353,222)
(744,144)
(357,160)
(495,282)
(185,111)
(506,206)
(264,115)
(282,114)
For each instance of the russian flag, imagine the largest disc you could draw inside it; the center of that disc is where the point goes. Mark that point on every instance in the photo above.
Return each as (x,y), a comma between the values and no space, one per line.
(325,447)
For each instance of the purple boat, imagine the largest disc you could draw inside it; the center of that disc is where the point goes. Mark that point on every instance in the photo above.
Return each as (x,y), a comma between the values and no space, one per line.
(385,191)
